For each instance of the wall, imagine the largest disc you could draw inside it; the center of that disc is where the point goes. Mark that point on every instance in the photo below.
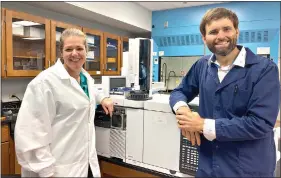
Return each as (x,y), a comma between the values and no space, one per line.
(127,12)
(259,26)
(18,86)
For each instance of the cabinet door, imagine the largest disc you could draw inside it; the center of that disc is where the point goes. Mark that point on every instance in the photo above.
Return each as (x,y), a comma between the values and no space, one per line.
(3,45)
(112,64)
(27,43)
(5,158)
(114,170)
(95,58)
(56,30)
(124,47)
(15,168)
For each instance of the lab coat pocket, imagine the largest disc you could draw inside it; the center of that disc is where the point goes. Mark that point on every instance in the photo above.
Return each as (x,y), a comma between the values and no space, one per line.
(240,100)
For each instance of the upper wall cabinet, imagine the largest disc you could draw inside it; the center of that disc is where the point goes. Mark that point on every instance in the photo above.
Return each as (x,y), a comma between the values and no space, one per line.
(30,44)
(27,43)
(112,64)
(95,57)
(3,45)
(125,44)
(56,30)
(124,47)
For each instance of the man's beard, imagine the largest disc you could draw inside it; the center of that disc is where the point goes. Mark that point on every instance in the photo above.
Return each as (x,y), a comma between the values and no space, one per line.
(225,51)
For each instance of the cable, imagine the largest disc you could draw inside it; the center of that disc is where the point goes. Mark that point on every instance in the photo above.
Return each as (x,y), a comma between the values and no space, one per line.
(14,96)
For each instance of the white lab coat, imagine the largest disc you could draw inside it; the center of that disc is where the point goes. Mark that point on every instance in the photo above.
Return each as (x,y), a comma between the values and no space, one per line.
(54,132)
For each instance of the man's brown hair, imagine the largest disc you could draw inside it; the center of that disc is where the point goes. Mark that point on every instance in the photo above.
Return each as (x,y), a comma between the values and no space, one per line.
(216,14)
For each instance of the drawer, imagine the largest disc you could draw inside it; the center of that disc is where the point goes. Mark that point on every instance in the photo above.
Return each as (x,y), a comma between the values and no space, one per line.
(114,170)
(5,133)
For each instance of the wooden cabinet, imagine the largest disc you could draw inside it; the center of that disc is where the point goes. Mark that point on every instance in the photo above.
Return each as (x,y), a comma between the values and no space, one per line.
(112,46)
(5,133)
(124,47)
(3,44)
(5,158)
(113,170)
(56,30)
(125,44)
(31,44)
(5,150)
(15,168)
(9,163)
(27,43)
(95,56)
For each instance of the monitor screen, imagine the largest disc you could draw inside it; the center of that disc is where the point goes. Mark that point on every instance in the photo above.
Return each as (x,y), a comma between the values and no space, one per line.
(117,82)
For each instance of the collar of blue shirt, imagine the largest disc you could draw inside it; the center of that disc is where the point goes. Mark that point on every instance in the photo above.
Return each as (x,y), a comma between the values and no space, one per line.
(239,61)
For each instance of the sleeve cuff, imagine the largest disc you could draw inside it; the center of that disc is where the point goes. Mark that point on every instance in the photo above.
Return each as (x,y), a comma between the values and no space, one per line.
(209,129)
(47,172)
(178,105)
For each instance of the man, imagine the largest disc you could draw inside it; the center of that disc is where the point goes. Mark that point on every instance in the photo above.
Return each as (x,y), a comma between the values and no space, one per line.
(239,99)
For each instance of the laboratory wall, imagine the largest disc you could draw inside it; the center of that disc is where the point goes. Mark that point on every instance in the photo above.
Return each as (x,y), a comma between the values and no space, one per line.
(176,32)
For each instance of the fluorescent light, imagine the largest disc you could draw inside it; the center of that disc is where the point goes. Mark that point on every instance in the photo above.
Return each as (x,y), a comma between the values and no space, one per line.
(33,38)
(26,23)
(16,25)
(112,46)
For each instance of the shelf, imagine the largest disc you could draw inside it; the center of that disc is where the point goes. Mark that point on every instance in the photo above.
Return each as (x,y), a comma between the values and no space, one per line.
(22,37)
(92,45)
(28,57)
(90,60)
(111,69)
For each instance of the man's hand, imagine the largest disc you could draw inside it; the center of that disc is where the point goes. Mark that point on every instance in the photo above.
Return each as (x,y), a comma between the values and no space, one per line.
(191,122)
(107,105)
(193,137)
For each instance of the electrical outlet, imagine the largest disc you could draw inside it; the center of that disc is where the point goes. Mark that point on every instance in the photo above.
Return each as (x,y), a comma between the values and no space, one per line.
(166,24)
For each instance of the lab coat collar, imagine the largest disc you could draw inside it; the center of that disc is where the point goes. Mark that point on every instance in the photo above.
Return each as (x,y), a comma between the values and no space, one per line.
(239,61)
(245,57)
(239,72)
(61,71)
(87,75)
(251,58)
(63,74)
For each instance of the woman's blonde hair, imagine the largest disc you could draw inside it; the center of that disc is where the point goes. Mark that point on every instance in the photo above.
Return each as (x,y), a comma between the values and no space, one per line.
(72,32)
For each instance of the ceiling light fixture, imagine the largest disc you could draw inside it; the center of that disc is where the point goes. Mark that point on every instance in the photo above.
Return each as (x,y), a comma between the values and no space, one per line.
(33,38)
(26,23)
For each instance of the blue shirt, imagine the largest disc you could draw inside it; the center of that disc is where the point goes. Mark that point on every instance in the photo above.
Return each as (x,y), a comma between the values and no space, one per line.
(244,106)
(84,84)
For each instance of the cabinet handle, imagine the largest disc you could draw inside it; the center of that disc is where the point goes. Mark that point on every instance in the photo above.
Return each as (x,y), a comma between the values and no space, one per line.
(49,63)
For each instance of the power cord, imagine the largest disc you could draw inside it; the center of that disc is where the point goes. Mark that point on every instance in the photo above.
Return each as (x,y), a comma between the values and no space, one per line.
(14,96)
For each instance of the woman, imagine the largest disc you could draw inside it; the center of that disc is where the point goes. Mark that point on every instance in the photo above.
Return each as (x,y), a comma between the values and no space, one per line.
(54,133)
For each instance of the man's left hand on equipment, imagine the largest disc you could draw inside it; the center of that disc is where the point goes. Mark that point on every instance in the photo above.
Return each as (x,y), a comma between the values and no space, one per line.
(190,121)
